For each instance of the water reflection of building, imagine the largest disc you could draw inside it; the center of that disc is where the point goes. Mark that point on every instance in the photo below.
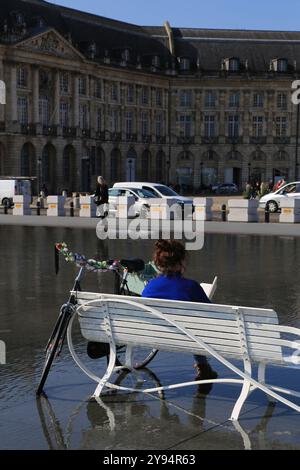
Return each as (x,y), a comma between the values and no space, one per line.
(89,95)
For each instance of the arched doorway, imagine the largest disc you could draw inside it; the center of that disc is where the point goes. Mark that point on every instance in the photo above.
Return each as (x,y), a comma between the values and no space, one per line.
(208,171)
(2,158)
(233,169)
(115,165)
(145,165)
(48,168)
(160,167)
(28,160)
(85,184)
(69,168)
(100,162)
(131,165)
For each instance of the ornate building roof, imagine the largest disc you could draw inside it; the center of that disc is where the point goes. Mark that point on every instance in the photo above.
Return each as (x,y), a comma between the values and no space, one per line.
(204,50)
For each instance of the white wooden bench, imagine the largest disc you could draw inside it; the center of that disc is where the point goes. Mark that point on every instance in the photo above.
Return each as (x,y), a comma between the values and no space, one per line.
(227,333)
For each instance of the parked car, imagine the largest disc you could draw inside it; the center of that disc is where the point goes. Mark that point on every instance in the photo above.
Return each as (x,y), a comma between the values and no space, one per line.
(272,201)
(157,190)
(11,187)
(140,195)
(225,188)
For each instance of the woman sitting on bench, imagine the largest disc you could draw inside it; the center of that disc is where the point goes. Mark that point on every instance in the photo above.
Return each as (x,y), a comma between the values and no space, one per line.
(169,258)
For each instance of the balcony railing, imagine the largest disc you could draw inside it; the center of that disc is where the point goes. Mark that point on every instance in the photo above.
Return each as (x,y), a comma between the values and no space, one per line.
(131,137)
(147,139)
(234,140)
(28,129)
(69,131)
(282,140)
(185,140)
(49,130)
(258,140)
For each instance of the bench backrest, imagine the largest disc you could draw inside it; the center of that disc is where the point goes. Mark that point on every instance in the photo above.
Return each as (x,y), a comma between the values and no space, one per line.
(222,327)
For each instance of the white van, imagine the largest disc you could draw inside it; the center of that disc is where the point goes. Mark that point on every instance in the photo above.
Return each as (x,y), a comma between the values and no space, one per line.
(158,191)
(11,187)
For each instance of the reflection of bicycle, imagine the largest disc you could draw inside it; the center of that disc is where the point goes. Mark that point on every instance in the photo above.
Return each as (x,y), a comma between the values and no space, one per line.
(122,270)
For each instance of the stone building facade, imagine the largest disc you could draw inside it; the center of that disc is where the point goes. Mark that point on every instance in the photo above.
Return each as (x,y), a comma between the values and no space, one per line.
(86,95)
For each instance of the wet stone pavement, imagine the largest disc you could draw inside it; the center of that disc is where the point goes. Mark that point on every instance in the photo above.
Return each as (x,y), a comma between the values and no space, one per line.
(254,271)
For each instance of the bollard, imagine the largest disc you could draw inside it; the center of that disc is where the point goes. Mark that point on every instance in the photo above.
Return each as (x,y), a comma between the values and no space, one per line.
(22,205)
(242,210)
(223,212)
(71,209)
(203,207)
(267,215)
(56,206)
(38,208)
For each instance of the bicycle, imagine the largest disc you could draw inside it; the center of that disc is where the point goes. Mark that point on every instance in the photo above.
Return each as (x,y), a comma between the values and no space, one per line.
(122,269)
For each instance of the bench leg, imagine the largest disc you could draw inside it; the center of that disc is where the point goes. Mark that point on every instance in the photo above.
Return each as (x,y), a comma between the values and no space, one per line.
(262,379)
(244,393)
(109,371)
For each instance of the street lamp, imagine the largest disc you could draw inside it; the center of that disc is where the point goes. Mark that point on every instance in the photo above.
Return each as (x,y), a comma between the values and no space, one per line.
(249,171)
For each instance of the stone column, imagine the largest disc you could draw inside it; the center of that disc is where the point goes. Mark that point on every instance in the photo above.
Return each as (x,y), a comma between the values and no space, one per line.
(56,111)
(75,101)
(35,95)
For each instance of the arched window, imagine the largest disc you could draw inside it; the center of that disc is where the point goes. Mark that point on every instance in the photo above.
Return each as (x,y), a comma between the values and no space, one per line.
(115,164)
(69,167)
(28,162)
(145,165)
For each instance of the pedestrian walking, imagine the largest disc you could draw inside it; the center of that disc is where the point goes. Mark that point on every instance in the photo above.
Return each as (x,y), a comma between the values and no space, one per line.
(101,198)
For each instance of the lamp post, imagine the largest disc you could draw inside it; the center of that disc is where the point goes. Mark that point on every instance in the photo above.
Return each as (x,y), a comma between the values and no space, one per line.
(249,171)
(39,165)
(297,143)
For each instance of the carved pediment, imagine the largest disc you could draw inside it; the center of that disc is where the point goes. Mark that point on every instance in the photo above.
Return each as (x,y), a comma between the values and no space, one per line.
(51,42)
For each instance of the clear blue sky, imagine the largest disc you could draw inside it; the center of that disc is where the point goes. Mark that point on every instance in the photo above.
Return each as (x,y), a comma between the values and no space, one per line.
(241,14)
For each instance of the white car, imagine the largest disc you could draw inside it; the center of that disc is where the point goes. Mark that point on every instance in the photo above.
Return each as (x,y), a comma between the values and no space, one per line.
(157,190)
(272,201)
(141,197)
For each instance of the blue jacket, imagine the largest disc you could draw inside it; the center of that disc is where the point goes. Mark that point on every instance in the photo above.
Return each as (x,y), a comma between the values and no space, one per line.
(175,287)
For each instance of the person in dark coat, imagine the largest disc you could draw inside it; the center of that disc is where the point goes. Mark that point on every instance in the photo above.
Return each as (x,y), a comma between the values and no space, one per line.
(101,198)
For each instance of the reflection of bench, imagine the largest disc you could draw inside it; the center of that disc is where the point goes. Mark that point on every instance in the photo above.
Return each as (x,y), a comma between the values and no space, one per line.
(227,333)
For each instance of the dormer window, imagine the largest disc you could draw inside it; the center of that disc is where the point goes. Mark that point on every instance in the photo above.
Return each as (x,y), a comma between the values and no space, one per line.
(156,61)
(19,18)
(184,64)
(92,49)
(280,65)
(126,55)
(232,64)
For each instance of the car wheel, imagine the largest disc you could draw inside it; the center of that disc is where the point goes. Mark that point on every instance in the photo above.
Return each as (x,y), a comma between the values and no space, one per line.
(6,202)
(272,206)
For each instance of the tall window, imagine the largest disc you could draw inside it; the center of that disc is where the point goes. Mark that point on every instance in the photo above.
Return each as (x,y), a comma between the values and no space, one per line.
(233,126)
(64,114)
(44,110)
(282,101)
(281,126)
(82,85)
(114,121)
(83,116)
(159,97)
(144,124)
(130,94)
(129,123)
(257,126)
(64,82)
(185,121)
(186,98)
(98,89)
(209,126)
(114,92)
(258,100)
(99,120)
(233,65)
(159,125)
(22,77)
(210,99)
(145,95)
(22,110)
(234,100)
